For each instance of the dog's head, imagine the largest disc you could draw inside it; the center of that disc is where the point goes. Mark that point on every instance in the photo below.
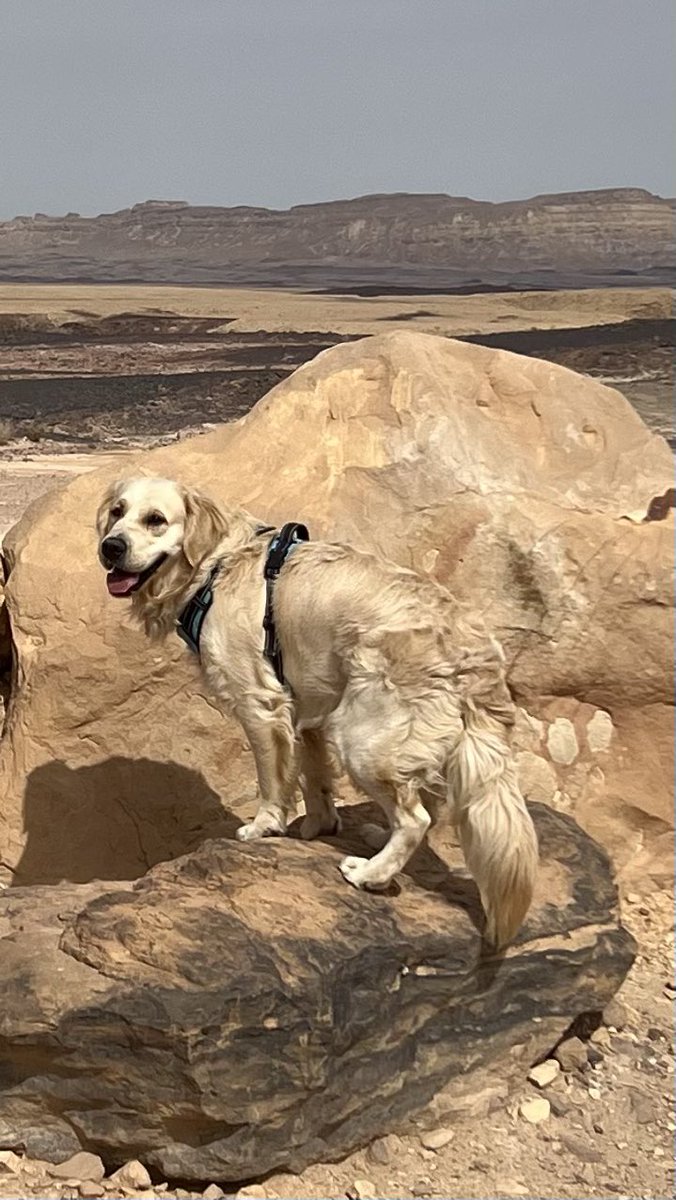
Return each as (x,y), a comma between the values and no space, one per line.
(150,528)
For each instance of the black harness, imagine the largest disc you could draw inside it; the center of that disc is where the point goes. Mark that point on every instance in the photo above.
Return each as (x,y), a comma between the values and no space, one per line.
(278,551)
(191,620)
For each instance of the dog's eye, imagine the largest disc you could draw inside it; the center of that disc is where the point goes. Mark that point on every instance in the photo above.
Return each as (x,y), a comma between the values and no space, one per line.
(116,512)
(155,519)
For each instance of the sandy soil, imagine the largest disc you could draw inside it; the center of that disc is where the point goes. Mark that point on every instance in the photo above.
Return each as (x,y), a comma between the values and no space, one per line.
(275,310)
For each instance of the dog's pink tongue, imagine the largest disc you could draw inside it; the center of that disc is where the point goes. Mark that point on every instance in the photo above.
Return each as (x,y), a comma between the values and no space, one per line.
(120,583)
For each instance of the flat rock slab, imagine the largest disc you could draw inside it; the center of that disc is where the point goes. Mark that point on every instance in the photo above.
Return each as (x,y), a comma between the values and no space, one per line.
(241,1009)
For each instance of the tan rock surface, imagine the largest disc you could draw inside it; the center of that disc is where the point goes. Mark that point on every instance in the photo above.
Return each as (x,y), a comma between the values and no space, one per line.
(508,478)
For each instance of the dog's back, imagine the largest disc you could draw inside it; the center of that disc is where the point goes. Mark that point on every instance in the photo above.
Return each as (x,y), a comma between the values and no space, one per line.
(416,702)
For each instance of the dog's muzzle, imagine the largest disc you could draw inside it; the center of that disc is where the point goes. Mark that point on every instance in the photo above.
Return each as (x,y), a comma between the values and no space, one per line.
(120,582)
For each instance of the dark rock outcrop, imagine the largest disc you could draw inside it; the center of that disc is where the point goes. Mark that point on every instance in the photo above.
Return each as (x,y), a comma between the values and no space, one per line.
(241,1009)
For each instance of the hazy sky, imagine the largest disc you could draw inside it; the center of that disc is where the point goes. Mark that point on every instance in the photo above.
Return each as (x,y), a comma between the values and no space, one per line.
(104,103)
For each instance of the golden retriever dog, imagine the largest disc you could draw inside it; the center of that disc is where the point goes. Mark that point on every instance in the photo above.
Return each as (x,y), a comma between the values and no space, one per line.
(379,666)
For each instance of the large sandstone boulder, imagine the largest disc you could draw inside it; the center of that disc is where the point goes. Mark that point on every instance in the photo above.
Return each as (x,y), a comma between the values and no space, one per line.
(241,1010)
(519,484)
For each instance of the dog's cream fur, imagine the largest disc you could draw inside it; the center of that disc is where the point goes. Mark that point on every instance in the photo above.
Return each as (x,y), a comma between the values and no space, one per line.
(380,665)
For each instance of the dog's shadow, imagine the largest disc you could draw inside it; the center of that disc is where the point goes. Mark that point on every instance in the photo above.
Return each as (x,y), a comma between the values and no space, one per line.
(114,820)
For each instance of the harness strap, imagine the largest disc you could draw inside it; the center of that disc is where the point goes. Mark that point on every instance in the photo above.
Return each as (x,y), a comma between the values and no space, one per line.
(191,620)
(289,536)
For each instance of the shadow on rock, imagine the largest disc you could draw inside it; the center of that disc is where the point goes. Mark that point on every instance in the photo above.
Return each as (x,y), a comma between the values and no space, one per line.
(446,876)
(114,820)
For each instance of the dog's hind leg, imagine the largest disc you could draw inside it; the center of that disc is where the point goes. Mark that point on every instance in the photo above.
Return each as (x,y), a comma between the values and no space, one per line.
(317,785)
(272,740)
(409,821)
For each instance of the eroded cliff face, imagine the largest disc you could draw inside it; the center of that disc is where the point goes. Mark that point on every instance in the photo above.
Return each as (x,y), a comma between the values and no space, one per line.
(625,229)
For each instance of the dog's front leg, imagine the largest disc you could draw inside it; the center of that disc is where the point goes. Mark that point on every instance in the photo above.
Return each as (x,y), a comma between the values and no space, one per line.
(272,741)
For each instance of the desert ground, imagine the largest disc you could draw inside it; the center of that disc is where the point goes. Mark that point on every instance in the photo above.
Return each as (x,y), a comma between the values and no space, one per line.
(86,372)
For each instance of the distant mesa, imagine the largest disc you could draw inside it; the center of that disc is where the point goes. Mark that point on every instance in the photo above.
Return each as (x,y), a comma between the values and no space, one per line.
(560,239)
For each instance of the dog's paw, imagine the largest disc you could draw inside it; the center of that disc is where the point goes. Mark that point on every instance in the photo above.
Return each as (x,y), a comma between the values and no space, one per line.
(261,827)
(314,826)
(354,869)
(375,836)
(364,873)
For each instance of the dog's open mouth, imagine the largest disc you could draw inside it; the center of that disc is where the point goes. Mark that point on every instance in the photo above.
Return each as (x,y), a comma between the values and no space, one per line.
(123,583)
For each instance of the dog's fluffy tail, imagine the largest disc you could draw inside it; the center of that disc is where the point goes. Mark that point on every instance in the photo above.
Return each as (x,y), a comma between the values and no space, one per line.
(495,828)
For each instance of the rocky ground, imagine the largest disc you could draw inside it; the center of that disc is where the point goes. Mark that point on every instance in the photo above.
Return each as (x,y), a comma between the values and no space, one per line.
(597,1120)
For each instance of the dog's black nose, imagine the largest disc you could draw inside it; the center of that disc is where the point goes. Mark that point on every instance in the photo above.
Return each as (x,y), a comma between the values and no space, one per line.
(113,550)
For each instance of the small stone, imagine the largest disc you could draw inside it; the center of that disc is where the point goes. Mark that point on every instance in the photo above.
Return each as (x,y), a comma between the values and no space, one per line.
(536,1110)
(363,1189)
(562,741)
(379,1153)
(656,1035)
(597,1127)
(643,1109)
(9,1161)
(615,1014)
(421,1189)
(253,1191)
(559,1105)
(132,1175)
(600,1037)
(544,1073)
(632,898)
(580,1149)
(213,1192)
(622,1045)
(80,1167)
(436,1139)
(571,1054)
(90,1190)
(594,1056)
(658,1152)
(585,1176)
(595,1093)
(511,1187)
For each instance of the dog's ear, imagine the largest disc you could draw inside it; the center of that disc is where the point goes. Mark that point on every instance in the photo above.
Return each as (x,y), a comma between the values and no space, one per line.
(103,513)
(205,525)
